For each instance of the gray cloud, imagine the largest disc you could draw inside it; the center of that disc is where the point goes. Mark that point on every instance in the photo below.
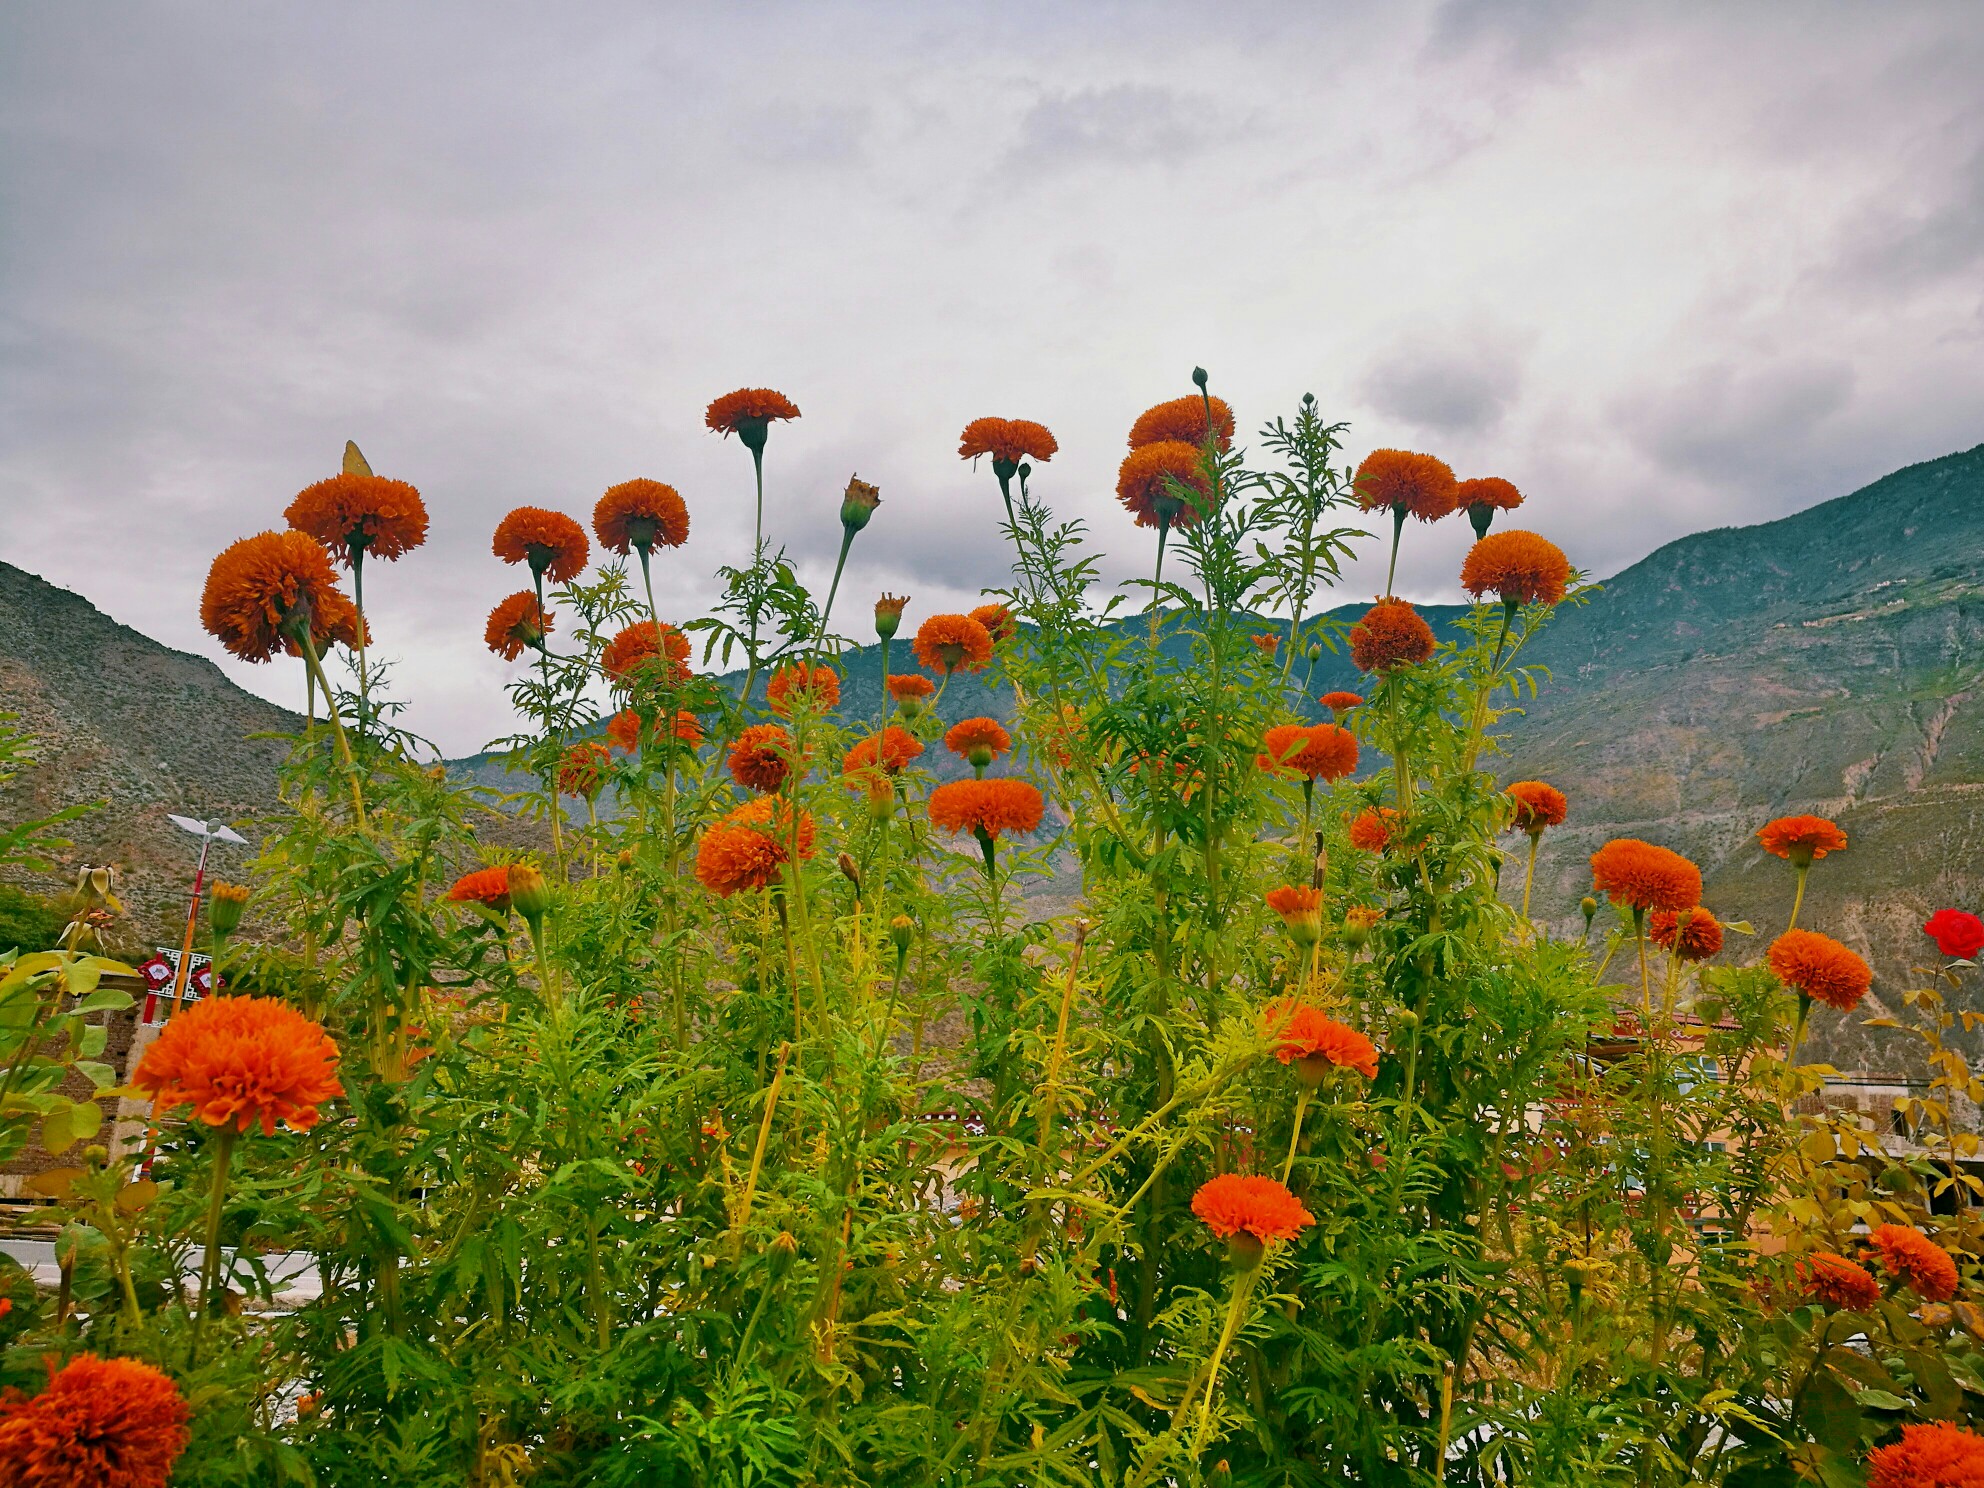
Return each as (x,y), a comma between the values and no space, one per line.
(1721,258)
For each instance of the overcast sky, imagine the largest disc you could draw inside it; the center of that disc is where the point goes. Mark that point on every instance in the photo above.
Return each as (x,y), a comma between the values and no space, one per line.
(1665,267)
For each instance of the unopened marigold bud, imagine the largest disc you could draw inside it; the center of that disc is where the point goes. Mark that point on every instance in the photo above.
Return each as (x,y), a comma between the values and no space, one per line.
(850,871)
(1588,907)
(859,504)
(1199,377)
(888,615)
(626,859)
(530,895)
(224,909)
(902,930)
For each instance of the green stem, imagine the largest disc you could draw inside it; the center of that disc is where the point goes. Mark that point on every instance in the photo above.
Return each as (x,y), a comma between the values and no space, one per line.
(1398,530)
(1295,1141)
(358,603)
(224,1139)
(1243,1287)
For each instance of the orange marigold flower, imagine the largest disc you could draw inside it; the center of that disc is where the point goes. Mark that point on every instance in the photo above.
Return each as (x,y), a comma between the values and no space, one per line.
(1420,484)
(550,542)
(101,1423)
(1340,703)
(1490,491)
(1358,922)
(639,514)
(1321,751)
(1912,1258)
(1639,875)
(642,644)
(1183,421)
(623,730)
(242,1060)
(1834,1279)
(950,643)
(333,622)
(998,622)
(750,846)
(1936,1454)
(1265,644)
(1243,1204)
(262,589)
(1801,839)
(1391,634)
(820,683)
(515,623)
(1301,910)
(1372,829)
(986,808)
(1521,567)
(1162,485)
(978,735)
(1305,1033)
(1537,805)
(1007,441)
(1058,735)
(891,753)
(762,757)
(1819,967)
(383,518)
(1699,939)
(490,886)
(582,771)
(746,408)
(911,687)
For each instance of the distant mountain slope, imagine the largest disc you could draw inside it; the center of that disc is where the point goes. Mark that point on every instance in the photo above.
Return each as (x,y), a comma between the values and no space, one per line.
(1832,661)
(144,728)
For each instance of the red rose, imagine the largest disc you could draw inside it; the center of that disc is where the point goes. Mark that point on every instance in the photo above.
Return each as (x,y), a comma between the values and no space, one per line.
(1956,932)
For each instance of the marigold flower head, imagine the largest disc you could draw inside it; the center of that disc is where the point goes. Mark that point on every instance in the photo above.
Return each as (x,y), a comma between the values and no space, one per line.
(1244,1204)
(1537,805)
(1372,829)
(645,644)
(986,808)
(1912,1258)
(762,757)
(550,542)
(335,622)
(1266,644)
(101,1423)
(819,683)
(1696,940)
(1059,733)
(950,643)
(490,886)
(1490,491)
(910,687)
(1801,839)
(515,623)
(1340,703)
(382,518)
(244,1060)
(749,847)
(1358,922)
(1163,485)
(1638,875)
(262,589)
(1301,910)
(1320,751)
(640,514)
(1819,967)
(890,752)
(1520,567)
(1391,634)
(1956,933)
(888,615)
(1933,1454)
(978,736)
(582,770)
(623,730)
(1420,484)
(1834,1279)
(1305,1033)
(1183,421)
(998,622)
(1007,441)
(746,410)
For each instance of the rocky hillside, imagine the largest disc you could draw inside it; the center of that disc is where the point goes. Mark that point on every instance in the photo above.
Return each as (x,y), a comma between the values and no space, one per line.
(1832,661)
(142,728)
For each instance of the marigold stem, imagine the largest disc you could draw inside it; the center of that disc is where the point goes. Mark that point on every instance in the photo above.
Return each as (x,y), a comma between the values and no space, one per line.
(216,1203)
